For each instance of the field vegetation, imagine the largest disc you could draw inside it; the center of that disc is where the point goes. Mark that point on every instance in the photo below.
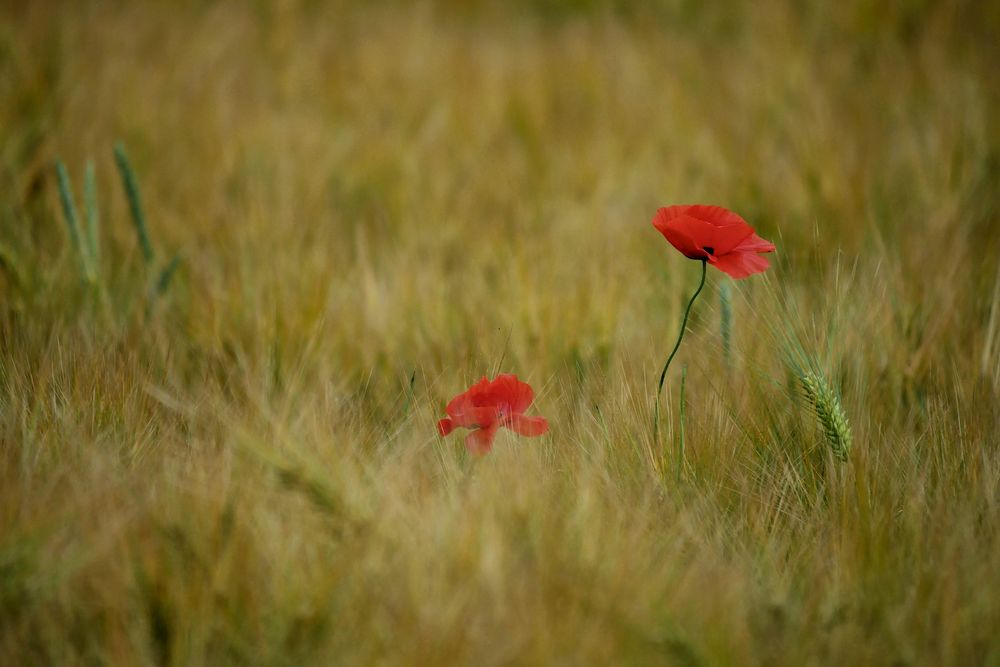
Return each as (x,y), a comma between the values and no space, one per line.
(219,385)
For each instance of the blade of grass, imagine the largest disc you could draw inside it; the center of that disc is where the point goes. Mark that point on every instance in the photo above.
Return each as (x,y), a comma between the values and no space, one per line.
(167,274)
(726,321)
(92,214)
(135,202)
(72,220)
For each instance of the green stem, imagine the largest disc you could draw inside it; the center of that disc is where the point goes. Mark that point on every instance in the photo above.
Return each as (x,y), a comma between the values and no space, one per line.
(680,337)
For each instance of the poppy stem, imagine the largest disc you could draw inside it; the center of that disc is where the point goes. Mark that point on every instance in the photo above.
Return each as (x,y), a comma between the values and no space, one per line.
(680,337)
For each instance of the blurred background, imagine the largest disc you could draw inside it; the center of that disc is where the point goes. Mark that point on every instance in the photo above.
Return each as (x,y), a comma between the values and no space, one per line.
(218,386)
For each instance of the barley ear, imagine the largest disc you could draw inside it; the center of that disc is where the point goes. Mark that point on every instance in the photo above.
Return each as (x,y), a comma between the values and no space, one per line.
(829,411)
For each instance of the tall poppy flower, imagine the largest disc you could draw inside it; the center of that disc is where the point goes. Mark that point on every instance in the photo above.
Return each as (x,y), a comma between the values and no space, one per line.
(488,405)
(715,235)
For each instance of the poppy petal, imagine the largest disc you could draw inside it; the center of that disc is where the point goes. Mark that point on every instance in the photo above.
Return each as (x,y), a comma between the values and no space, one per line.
(699,231)
(457,406)
(528,426)
(715,215)
(472,417)
(721,240)
(445,426)
(754,243)
(508,391)
(742,264)
(467,398)
(667,223)
(480,441)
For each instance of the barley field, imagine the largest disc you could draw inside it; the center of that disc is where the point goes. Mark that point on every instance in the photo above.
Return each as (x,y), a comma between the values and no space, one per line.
(249,251)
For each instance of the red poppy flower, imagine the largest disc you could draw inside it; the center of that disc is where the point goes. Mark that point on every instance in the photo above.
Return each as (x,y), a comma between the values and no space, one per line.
(714,234)
(486,406)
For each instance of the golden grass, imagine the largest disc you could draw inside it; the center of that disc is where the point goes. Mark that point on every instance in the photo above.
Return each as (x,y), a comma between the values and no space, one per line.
(236,471)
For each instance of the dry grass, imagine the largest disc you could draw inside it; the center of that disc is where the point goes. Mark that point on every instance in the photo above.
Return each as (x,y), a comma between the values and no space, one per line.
(235,470)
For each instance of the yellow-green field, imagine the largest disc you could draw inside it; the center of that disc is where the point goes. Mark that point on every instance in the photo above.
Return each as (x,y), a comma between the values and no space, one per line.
(233,459)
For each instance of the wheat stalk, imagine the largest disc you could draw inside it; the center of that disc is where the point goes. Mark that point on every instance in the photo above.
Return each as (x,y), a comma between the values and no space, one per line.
(829,410)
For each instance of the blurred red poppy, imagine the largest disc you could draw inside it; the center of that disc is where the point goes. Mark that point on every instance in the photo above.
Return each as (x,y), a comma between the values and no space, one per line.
(488,405)
(716,235)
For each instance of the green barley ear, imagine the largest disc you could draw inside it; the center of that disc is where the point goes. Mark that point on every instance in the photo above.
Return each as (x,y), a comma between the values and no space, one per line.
(726,322)
(829,410)
(72,220)
(134,202)
(806,371)
(91,213)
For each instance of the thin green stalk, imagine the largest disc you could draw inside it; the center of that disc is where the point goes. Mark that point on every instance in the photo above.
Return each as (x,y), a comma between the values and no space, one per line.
(134,202)
(726,321)
(92,215)
(680,337)
(72,220)
(166,275)
(666,366)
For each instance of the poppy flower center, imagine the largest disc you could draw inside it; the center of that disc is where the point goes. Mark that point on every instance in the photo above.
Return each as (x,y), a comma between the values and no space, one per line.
(709,249)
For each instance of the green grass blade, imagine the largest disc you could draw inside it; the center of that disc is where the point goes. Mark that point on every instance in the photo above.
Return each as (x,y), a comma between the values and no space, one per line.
(68,205)
(92,214)
(726,320)
(167,274)
(135,202)
(72,220)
